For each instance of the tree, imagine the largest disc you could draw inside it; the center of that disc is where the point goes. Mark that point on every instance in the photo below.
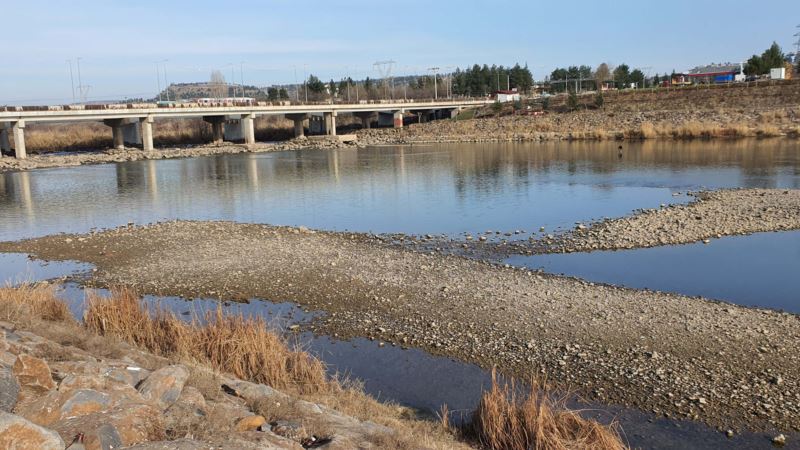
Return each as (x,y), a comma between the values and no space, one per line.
(622,75)
(272,94)
(315,85)
(217,84)
(283,94)
(332,88)
(601,75)
(637,76)
(771,58)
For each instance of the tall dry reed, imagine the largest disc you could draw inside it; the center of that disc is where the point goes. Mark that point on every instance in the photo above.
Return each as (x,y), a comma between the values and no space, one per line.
(508,420)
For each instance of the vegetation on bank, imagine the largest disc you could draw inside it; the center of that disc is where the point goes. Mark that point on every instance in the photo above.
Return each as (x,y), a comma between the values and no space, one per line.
(245,348)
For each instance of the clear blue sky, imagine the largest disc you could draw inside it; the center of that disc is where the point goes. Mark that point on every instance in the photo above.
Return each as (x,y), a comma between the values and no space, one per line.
(119,41)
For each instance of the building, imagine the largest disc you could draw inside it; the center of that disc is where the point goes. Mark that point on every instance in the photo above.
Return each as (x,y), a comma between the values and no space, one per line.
(716,73)
(506,96)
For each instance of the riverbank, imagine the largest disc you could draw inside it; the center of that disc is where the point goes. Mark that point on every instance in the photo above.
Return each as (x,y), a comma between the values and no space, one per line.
(727,366)
(49,160)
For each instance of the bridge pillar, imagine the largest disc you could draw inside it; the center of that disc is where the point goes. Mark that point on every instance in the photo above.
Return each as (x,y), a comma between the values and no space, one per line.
(116,132)
(330,123)
(147,133)
(398,118)
(131,132)
(18,129)
(233,129)
(299,123)
(217,128)
(366,118)
(5,143)
(248,129)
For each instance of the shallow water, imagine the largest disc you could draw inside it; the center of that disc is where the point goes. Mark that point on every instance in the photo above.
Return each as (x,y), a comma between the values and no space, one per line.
(757,270)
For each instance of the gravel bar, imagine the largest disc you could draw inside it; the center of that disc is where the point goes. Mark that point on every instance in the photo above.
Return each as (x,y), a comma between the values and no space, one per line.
(728,366)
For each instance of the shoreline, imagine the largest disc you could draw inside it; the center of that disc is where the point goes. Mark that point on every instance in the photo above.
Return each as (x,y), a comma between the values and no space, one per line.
(680,348)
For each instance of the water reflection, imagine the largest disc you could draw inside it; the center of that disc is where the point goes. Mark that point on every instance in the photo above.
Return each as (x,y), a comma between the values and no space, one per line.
(418,189)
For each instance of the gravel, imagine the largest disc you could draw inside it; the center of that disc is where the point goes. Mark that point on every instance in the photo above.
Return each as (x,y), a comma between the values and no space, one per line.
(728,366)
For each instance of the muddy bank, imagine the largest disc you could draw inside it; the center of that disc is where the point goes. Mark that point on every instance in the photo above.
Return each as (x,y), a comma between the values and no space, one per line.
(728,366)
(136,154)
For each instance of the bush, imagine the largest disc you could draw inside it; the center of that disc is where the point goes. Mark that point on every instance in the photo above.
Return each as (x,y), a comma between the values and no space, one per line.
(599,100)
(497,107)
(545,103)
(572,101)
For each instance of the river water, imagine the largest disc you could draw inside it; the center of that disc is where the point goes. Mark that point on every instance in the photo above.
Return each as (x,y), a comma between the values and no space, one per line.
(441,189)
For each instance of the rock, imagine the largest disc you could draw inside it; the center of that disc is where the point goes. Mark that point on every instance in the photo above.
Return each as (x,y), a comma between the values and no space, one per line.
(33,374)
(288,429)
(9,389)
(729,433)
(779,440)
(164,386)
(119,426)
(20,434)
(250,423)
(57,405)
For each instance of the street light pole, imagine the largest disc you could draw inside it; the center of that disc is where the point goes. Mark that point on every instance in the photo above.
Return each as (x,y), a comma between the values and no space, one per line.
(166,83)
(435,87)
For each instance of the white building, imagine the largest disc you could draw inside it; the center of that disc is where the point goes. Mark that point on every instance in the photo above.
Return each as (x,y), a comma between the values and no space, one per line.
(507,96)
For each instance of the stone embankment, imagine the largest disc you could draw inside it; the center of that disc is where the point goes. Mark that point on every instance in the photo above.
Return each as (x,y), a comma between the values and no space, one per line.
(135,154)
(114,396)
(683,357)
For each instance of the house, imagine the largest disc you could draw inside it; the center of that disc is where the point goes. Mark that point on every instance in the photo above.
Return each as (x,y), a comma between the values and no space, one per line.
(716,73)
(505,96)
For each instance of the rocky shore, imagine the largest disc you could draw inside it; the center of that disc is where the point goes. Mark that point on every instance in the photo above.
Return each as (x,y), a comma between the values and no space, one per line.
(728,366)
(66,387)
(136,154)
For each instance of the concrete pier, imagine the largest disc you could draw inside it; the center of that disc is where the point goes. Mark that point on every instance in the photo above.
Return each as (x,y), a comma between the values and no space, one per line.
(249,129)
(330,123)
(5,142)
(299,123)
(217,128)
(18,129)
(398,119)
(366,118)
(147,133)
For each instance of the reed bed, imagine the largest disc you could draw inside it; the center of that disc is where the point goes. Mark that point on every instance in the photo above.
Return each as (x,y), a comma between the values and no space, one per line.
(508,419)
(243,347)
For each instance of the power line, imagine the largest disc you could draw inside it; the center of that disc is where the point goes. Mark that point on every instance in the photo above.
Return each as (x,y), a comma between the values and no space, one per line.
(385,69)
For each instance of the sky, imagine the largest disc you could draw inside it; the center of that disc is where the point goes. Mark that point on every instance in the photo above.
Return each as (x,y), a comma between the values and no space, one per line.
(269,41)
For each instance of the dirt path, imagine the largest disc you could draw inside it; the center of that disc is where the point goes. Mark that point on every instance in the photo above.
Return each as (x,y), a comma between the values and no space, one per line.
(728,366)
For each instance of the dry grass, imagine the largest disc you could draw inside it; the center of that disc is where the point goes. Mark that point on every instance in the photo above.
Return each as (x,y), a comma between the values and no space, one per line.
(506,420)
(242,347)
(24,304)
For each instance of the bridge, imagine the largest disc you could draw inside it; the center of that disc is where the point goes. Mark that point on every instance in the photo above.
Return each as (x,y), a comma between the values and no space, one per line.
(134,126)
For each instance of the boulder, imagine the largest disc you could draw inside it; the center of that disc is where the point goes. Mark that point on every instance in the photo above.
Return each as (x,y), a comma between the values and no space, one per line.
(250,423)
(33,374)
(20,434)
(119,426)
(9,389)
(164,386)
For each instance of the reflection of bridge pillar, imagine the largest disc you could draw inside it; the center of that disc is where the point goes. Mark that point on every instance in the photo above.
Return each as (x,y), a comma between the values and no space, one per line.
(299,123)
(25,195)
(18,129)
(252,172)
(147,133)
(5,143)
(366,118)
(330,123)
(152,179)
(217,126)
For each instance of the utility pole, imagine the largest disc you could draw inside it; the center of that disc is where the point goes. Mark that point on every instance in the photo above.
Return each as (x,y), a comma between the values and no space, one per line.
(71,80)
(233,79)
(305,79)
(435,70)
(797,44)
(82,90)
(158,80)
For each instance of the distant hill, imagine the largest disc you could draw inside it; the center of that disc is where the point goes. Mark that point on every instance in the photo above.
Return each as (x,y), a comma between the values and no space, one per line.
(191,91)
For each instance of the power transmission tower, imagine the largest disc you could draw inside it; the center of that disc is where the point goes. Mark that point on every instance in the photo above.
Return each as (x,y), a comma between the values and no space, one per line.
(435,71)
(797,44)
(385,69)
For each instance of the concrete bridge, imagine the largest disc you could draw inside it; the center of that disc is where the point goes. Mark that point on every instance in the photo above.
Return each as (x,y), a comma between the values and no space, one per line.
(134,126)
